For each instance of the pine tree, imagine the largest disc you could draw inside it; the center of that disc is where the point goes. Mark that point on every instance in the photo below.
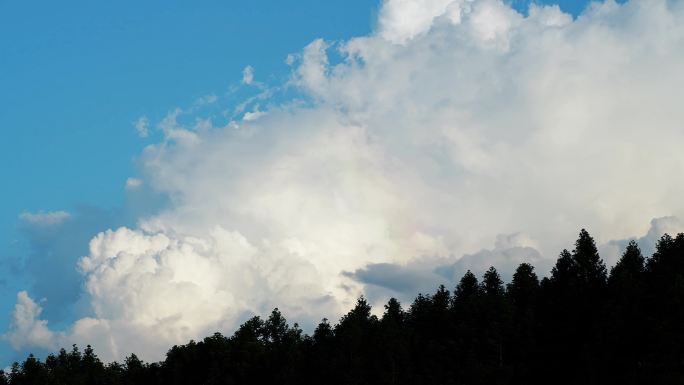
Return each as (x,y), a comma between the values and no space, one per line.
(624,326)
(393,344)
(591,271)
(523,292)
(275,328)
(441,299)
(323,332)
(564,272)
(628,270)
(468,289)
(495,324)
(394,314)
(355,333)
(524,286)
(492,285)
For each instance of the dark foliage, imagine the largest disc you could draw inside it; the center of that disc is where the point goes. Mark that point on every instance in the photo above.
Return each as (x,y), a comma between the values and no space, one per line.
(580,325)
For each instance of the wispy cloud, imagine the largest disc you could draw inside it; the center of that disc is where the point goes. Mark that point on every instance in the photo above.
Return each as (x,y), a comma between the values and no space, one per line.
(49,218)
(206,99)
(142,126)
(248,75)
(133,183)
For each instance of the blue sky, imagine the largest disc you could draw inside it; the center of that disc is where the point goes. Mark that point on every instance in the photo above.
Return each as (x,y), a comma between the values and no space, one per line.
(75,75)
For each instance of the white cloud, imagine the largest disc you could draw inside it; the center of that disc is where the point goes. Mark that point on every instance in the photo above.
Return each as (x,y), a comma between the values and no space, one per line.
(142,126)
(149,290)
(290,59)
(206,99)
(400,20)
(428,140)
(49,218)
(133,183)
(176,132)
(26,330)
(613,250)
(252,115)
(248,75)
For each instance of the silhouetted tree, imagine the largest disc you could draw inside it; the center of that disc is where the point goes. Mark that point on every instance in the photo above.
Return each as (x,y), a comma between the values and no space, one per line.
(355,338)
(624,324)
(590,269)
(524,287)
(576,326)
(523,293)
(495,324)
(393,346)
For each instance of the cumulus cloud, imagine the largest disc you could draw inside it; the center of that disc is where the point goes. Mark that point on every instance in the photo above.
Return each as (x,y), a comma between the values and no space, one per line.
(146,291)
(26,330)
(455,122)
(401,20)
(53,251)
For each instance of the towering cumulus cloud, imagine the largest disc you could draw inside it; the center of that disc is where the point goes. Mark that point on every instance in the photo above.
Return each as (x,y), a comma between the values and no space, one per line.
(457,128)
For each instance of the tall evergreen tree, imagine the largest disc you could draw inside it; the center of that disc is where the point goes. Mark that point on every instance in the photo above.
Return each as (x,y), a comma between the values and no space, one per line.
(591,271)
(665,309)
(467,289)
(394,314)
(523,292)
(495,323)
(492,285)
(563,274)
(275,328)
(354,334)
(625,321)
(524,286)
(441,299)
(628,270)
(323,332)
(393,344)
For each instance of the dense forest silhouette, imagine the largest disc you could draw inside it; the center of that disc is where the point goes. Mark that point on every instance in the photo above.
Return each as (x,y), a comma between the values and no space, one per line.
(580,325)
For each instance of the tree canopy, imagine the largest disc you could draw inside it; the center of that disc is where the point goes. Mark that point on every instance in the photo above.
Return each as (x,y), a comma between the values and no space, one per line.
(580,325)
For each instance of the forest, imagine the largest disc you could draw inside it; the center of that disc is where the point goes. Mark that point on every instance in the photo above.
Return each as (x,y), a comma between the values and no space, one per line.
(582,324)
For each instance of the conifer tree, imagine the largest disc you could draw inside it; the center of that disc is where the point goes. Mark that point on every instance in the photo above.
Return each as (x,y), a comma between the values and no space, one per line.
(323,332)
(523,292)
(467,289)
(492,285)
(524,286)
(394,314)
(570,328)
(441,299)
(591,271)
(275,328)
(628,270)
(563,273)
(624,326)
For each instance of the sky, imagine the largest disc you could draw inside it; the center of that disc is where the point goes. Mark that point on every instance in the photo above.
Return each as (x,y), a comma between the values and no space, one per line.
(173,168)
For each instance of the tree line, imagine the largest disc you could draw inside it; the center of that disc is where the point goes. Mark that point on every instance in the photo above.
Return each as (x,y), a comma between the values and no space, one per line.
(582,324)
